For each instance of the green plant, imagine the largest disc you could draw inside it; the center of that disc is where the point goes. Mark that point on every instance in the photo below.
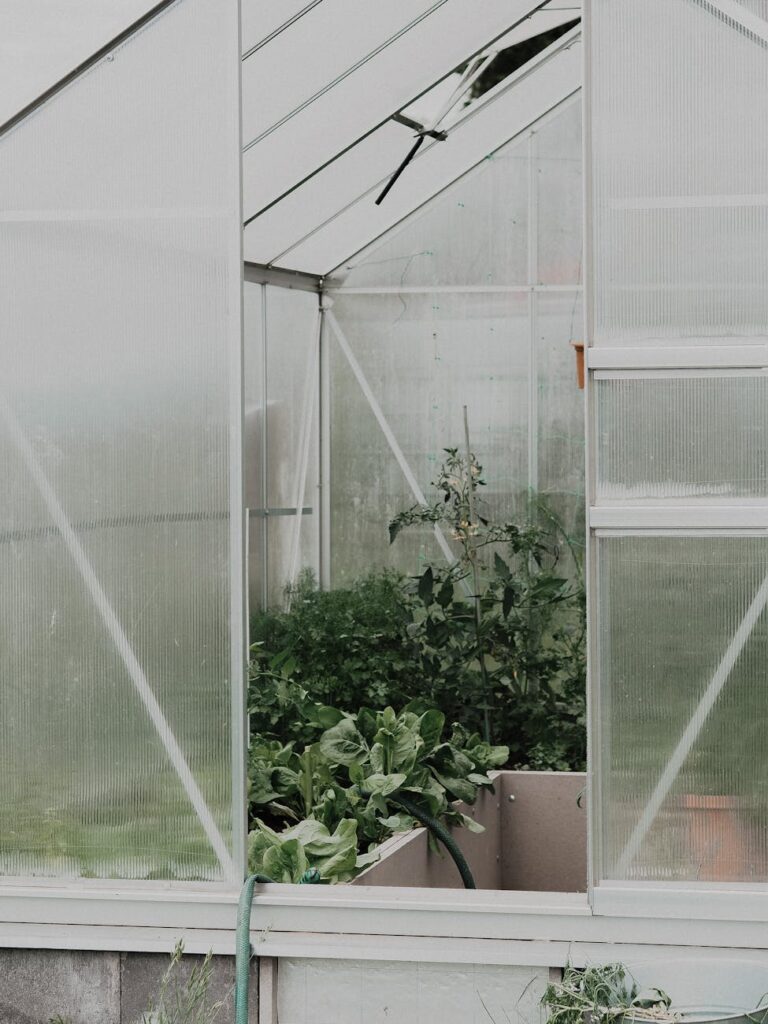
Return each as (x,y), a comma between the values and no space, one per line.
(347,647)
(286,856)
(330,804)
(184,1002)
(600,994)
(500,631)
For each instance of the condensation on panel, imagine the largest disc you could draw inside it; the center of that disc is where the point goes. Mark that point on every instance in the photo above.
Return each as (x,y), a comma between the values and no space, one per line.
(349,991)
(559,204)
(119,261)
(424,357)
(560,478)
(682,437)
(679,153)
(475,233)
(683,642)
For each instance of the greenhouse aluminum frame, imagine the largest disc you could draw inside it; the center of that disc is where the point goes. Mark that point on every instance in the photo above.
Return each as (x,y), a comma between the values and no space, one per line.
(537,929)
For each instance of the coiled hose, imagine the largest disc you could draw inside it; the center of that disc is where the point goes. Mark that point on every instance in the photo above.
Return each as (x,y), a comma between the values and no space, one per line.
(243,939)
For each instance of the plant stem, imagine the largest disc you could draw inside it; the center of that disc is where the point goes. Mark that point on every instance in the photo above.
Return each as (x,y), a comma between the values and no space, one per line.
(472,556)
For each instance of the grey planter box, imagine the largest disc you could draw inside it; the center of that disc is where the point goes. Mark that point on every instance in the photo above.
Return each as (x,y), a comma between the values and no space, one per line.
(535,839)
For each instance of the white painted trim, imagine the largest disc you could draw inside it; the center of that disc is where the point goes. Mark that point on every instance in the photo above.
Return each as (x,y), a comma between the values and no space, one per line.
(706,373)
(703,516)
(512,953)
(691,901)
(367,922)
(454,289)
(699,352)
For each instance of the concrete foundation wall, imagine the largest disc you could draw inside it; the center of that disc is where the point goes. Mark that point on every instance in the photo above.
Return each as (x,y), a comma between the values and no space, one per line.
(100,988)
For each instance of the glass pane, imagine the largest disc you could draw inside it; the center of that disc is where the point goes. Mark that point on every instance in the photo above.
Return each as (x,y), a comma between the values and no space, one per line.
(680,150)
(424,356)
(683,641)
(682,437)
(120,356)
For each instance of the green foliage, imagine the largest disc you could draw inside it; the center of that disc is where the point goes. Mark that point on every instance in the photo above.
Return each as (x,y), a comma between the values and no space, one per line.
(601,994)
(347,647)
(286,856)
(341,790)
(496,640)
(184,1001)
(501,632)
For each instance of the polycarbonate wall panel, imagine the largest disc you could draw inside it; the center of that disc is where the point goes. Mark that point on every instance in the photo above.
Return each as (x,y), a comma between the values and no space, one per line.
(683,642)
(690,436)
(281,454)
(446,311)
(120,515)
(559,413)
(474,235)
(424,357)
(679,153)
(41,41)
(559,202)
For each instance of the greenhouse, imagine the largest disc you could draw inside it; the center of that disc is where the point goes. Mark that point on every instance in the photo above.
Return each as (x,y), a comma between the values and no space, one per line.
(383,520)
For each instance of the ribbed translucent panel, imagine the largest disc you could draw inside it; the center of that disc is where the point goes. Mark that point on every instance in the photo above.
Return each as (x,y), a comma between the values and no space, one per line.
(683,643)
(682,437)
(443,312)
(559,411)
(559,205)
(423,358)
(282,412)
(758,7)
(119,522)
(679,151)
(327,43)
(475,234)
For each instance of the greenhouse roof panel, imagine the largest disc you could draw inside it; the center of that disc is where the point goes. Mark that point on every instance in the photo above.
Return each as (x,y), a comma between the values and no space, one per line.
(41,41)
(357,71)
(262,20)
(334,215)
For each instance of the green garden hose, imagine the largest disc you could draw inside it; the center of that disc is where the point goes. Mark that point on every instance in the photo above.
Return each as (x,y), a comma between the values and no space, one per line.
(243,933)
(243,939)
(439,831)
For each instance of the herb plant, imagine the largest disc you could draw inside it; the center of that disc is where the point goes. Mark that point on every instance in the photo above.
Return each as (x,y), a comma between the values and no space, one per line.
(600,995)
(184,1001)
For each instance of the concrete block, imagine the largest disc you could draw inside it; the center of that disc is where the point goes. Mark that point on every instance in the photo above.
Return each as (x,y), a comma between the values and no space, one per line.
(141,973)
(36,985)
